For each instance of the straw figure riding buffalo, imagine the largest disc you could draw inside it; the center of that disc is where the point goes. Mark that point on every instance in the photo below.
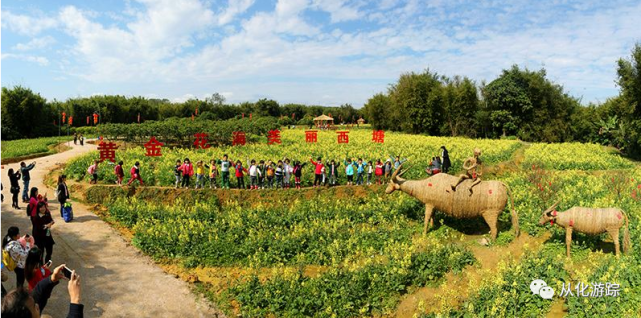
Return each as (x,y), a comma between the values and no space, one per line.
(473,198)
(592,221)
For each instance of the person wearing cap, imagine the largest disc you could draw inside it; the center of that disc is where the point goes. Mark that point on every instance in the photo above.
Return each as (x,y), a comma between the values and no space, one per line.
(473,171)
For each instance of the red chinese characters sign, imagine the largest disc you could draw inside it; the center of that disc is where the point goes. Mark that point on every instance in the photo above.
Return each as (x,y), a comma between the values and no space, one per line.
(201,141)
(153,147)
(343,138)
(311,136)
(273,137)
(239,138)
(107,151)
(378,136)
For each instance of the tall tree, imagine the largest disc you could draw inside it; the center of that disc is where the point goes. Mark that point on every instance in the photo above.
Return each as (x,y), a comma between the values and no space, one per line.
(527,104)
(629,80)
(417,103)
(377,110)
(460,102)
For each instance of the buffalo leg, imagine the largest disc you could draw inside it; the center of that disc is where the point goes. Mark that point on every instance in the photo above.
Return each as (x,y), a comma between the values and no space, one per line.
(491,218)
(614,233)
(429,210)
(568,239)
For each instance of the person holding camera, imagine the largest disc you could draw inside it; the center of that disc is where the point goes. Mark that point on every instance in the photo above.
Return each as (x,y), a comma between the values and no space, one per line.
(20,303)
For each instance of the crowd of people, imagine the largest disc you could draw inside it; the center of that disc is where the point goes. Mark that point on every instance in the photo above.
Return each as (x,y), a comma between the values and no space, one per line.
(283,173)
(272,174)
(30,256)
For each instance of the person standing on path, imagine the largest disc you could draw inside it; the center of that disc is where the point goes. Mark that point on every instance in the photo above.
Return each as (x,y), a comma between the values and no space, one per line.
(75,138)
(33,202)
(26,177)
(82,140)
(42,223)
(14,178)
(62,192)
(19,254)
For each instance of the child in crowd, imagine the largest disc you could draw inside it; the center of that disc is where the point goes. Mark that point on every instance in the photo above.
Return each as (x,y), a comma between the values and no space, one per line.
(177,172)
(332,172)
(200,174)
(135,173)
(270,174)
(213,174)
(187,171)
(240,176)
(254,172)
(93,171)
(378,171)
(298,173)
(360,171)
(279,174)
(388,169)
(318,164)
(349,171)
(397,161)
(261,177)
(119,172)
(287,173)
(225,164)
(370,169)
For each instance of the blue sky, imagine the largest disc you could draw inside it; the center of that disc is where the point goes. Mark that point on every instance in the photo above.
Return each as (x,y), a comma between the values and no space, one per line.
(324,52)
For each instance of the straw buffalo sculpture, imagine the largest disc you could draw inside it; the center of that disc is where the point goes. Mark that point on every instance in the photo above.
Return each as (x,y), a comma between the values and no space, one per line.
(488,199)
(590,221)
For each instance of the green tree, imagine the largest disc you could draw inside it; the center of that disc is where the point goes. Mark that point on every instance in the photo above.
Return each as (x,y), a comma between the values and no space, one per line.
(460,102)
(26,114)
(629,80)
(376,111)
(527,104)
(417,103)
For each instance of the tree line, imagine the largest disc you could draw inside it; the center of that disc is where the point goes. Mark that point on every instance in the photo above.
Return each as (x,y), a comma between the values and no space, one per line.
(26,114)
(519,103)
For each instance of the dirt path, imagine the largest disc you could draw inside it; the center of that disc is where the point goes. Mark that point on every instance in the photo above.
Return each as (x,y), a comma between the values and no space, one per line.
(117,280)
(455,288)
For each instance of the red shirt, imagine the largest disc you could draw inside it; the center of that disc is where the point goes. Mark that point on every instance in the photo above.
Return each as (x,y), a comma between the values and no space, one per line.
(379,170)
(319,166)
(38,276)
(239,170)
(187,169)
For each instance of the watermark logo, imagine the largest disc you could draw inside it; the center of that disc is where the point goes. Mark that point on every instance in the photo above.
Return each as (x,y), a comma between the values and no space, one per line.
(539,287)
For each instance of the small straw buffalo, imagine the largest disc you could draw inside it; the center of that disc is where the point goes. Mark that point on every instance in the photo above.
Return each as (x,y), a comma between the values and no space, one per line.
(589,221)
(488,199)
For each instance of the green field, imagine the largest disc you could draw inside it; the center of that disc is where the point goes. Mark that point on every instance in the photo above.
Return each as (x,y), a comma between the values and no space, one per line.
(13,149)
(355,251)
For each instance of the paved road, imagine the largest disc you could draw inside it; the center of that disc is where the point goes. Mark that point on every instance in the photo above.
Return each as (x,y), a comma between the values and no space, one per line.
(117,280)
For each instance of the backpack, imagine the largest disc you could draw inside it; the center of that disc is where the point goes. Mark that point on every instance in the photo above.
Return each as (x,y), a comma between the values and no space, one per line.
(67,212)
(8,261)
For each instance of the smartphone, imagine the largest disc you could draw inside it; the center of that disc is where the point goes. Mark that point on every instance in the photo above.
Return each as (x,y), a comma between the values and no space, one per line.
(49,263)
(67,272)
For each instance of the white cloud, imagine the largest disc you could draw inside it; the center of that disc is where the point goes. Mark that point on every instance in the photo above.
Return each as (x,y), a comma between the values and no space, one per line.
(27,25)
(338,10)
(35,44)
(234,8)
(43,61)
(288,55)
